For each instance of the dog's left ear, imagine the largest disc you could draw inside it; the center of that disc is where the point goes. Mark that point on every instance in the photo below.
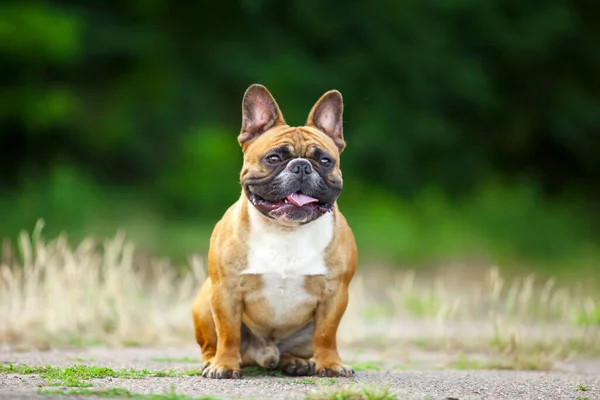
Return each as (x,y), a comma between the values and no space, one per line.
(259,113)
(326,115)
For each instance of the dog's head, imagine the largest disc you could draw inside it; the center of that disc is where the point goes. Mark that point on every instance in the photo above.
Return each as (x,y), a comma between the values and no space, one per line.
(291,174)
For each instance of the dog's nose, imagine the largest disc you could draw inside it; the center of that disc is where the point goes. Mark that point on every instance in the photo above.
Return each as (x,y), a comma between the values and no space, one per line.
(300,167)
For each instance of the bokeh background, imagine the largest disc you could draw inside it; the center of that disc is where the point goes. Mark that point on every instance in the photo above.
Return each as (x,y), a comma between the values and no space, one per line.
(473,127)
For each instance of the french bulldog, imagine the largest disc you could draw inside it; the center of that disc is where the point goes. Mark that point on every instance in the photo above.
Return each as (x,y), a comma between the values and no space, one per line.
(282,257)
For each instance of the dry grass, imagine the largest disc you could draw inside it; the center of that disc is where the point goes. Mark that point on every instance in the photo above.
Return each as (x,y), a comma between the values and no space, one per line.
(52,294)
(519,323)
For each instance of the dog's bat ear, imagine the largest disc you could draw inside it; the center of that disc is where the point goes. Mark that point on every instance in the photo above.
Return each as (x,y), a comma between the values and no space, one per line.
(326,115)
(259,113)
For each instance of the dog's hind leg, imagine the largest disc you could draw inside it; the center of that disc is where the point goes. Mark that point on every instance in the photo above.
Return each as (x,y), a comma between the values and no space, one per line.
(204,325)
(297,351)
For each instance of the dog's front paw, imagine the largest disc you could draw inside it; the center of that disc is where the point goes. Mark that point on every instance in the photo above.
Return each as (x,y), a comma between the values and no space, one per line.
(206,359)
(333,369)
(221,370)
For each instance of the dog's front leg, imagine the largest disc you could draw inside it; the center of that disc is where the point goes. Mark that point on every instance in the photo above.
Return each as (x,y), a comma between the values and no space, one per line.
(328,314)
(226,306)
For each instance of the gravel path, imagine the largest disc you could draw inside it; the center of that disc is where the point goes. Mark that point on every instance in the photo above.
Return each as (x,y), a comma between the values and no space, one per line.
(411,383)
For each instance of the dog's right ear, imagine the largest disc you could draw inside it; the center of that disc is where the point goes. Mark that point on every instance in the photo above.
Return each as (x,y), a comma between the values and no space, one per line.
(259,113)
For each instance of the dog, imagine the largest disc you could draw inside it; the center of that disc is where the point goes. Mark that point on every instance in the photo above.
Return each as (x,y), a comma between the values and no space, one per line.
(282,257)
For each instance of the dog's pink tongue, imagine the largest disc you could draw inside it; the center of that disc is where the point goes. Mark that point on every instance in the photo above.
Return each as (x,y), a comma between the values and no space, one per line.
(300,199)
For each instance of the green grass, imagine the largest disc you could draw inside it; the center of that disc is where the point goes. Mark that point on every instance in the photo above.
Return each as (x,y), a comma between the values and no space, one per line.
(367,366)
(79,375)
(415,303)
(516,362)
(354,392)
(582,388)
(379,311)
(509,224)
(513,226)
(421,306)
(589,317)
(464,363)
(421,343)
(116,393)
(192,372)
(306,381)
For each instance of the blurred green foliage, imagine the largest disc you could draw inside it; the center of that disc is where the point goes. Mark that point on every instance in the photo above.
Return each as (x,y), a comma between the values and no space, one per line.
(473,128)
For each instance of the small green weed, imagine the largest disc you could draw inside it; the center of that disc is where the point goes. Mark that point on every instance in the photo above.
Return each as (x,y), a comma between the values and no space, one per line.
(421,305)
(191,372)
(162,374)
(582,388)
(77,375)
(379,311)
(355,393)
(464,363)
(367,366)
(591,318)
(514,363)
(121,393)
(422,343)
(306,381)
(82,343)
(519,356)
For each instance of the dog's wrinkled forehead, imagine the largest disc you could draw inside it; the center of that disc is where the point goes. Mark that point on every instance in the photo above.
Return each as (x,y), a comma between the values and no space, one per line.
(293,142)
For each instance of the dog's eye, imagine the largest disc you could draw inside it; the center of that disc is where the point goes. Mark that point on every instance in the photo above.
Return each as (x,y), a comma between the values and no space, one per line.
(273,159)
(326,162)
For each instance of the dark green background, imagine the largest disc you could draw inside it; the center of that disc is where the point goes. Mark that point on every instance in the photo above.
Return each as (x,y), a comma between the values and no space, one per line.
(473,127)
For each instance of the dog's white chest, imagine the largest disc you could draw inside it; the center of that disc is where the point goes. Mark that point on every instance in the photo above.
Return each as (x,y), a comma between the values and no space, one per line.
(284,257)
(285,295)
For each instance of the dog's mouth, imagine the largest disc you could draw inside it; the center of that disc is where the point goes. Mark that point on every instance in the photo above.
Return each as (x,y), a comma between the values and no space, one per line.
(297,201)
